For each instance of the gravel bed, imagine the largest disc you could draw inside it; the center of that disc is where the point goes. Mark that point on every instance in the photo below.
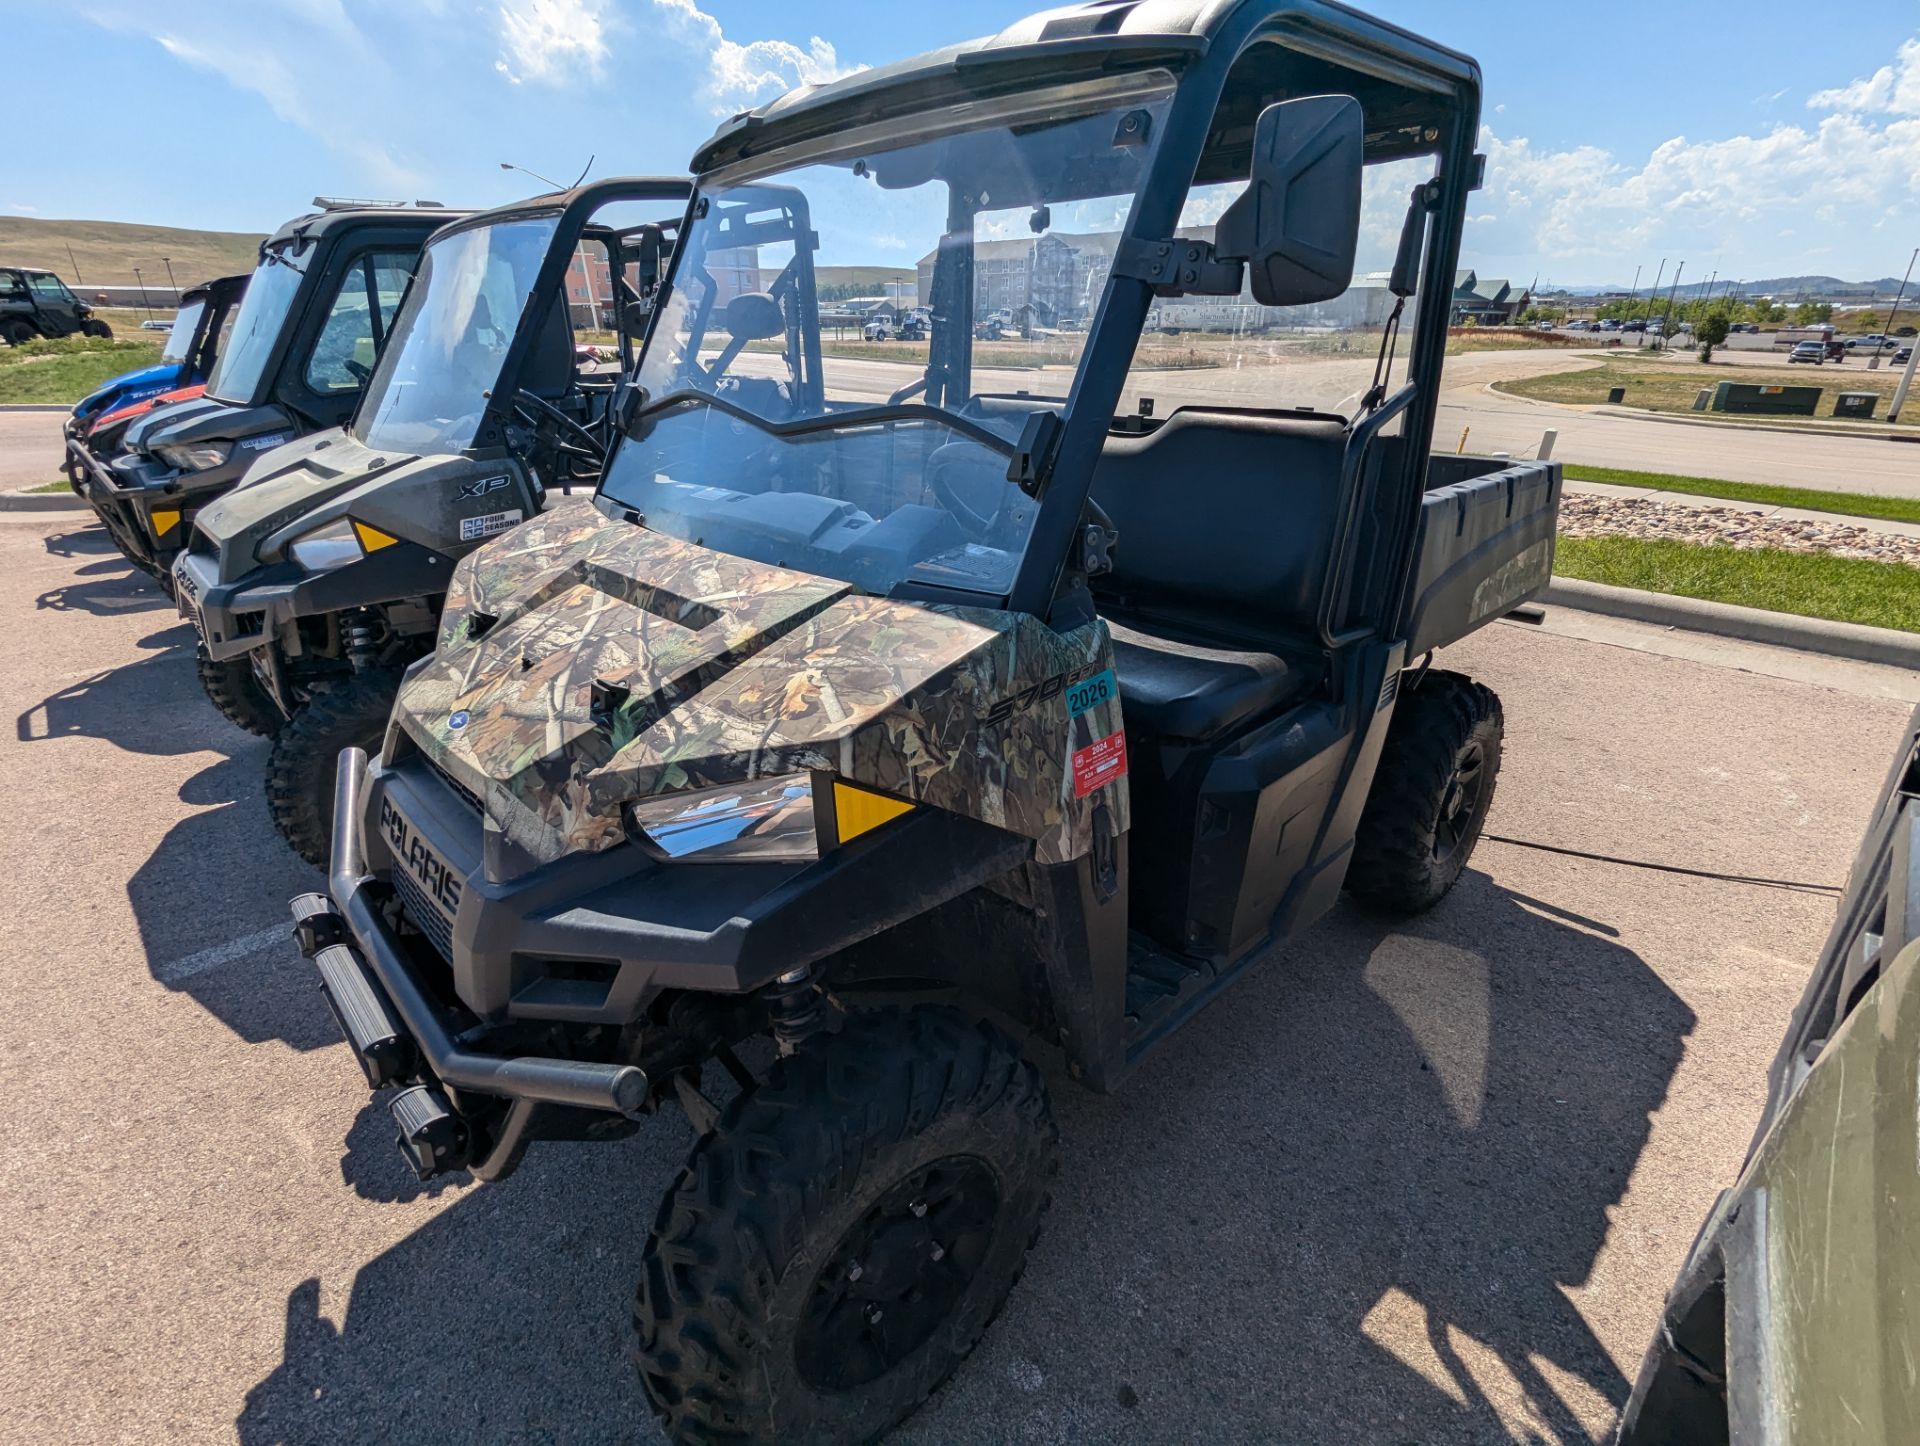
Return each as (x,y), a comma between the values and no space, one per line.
(1585,515)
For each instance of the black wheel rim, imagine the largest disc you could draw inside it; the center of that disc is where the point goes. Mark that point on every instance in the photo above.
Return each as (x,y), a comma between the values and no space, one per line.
(898,1274)
(1460,805)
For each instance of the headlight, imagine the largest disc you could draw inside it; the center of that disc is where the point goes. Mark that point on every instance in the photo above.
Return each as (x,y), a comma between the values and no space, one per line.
(767,818)
(196,457)
(331,546)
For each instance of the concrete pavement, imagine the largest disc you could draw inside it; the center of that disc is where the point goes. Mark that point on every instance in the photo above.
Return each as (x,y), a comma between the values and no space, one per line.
(31,448)
(1417,1181)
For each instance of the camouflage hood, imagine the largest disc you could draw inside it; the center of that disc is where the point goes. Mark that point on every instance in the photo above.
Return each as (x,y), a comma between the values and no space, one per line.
(584,662)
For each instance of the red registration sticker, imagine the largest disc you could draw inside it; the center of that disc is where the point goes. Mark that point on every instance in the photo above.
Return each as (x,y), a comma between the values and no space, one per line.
(1098,764)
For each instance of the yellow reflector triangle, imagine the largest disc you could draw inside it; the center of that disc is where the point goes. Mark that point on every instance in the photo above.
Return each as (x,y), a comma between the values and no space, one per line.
(165,519)
(855,811)
(372,539)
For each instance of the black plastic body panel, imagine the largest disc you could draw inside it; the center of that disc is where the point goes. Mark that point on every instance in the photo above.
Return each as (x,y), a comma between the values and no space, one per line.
(1485,545)
(685,925)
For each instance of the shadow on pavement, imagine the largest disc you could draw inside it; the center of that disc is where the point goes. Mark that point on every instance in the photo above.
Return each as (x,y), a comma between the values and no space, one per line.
(90,540)
(110,594)
(1347,1206)
(221,875)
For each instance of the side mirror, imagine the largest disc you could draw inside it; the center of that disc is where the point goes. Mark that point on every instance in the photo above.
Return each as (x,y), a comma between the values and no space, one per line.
(1297,225)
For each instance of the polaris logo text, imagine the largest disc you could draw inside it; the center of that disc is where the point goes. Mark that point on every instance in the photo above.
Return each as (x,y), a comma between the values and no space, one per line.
(412,853)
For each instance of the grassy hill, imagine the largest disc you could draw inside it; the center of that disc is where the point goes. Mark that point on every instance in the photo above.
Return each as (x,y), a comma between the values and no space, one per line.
(839,282)
(108,251)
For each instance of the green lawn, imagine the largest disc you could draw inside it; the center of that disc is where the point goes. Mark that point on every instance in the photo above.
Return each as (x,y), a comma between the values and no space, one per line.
(66,370)
(1843,589)
(1846,504)
(60,486)
(1666,385)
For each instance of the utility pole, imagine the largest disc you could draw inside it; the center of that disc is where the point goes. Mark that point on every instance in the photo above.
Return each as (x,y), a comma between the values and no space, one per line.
(1873,362)
(1667,315)
(145,304)
(1653,296)
(1631,294)
(1906,382)
(76,264)
(174,286)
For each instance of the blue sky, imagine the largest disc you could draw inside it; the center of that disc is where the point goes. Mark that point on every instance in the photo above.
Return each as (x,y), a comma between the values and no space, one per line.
(1763,138)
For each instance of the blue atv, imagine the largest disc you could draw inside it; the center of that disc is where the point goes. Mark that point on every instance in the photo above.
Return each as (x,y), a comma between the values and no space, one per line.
(185,361)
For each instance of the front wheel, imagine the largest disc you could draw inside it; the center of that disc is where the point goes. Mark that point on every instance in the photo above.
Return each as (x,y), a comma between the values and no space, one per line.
(97,328)
(342,713)
(231,687)
(1430,796)
(839,1242)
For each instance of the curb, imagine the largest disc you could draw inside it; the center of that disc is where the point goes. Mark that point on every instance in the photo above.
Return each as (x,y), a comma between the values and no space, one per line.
(1886,646)
(36,406)
(42,502)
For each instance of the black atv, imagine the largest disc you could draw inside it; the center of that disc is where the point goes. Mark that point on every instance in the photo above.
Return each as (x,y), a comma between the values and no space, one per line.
(316,313)
(316,582)
(36,304)
(882,719)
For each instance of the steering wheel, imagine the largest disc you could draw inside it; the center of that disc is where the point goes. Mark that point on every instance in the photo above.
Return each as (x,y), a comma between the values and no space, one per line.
(957,470)
(532,409)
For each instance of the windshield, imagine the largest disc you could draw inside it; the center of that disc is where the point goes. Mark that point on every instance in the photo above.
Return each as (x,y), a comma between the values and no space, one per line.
(243,360)
(430,388)
(781,423)
(186,322)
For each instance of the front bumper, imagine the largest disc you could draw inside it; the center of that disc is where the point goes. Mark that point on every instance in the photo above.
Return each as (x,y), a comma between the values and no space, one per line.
(589,940)
(403,1034)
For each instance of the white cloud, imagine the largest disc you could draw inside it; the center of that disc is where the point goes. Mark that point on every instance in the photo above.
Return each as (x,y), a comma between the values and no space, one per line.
(1725,197)
(24,209)
(738,74)
(1893,89)
(307,59)
(552,42)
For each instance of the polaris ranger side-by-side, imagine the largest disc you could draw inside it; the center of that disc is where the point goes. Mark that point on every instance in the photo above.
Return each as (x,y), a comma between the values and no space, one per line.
(879,712)
(36,305)
(316,313)
(97,428)
(316,581)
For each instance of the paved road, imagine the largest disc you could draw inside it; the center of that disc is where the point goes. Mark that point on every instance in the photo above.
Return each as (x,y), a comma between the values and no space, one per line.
(1423,1181)
(30,442)
(30,448)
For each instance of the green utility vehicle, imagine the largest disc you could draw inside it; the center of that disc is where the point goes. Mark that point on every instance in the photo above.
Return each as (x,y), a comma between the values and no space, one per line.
(315,582)
(882,719)
(1796,1316)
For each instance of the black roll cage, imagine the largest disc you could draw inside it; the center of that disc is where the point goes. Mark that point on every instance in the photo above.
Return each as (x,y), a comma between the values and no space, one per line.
(1420,99)
(575,208)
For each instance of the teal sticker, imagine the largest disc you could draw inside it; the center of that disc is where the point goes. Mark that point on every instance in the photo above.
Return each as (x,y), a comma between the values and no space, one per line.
(1090,693)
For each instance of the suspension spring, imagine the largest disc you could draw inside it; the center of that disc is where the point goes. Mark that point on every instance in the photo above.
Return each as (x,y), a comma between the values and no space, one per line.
(361,639)
(796,1008)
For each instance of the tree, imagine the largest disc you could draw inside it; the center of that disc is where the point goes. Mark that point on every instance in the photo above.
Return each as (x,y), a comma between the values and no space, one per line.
(1809,313)
(1710,331)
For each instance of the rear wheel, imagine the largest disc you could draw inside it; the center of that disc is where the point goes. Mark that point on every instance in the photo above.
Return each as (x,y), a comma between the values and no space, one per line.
(232,688)
(1430,796)
(15,332)
(342,713)
(839,1242)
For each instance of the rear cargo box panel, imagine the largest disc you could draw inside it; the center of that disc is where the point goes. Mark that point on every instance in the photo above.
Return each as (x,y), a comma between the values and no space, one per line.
(1485,545)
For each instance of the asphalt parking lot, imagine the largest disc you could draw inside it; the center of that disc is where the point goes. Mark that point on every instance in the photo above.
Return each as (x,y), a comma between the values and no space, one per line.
(1422,1182)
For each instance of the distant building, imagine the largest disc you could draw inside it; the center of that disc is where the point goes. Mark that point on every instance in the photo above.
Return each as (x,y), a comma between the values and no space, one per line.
(1486,303)
(1056,279)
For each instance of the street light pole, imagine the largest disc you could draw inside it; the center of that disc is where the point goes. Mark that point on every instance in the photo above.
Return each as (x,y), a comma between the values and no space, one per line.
(1873,362)
(1666,317)
(1653,296)
(144,303)
(172,285)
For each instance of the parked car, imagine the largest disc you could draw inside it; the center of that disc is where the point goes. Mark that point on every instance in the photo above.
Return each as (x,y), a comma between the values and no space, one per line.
(1633,326)
(1808,351)
(1610,324)
(1904,331)
(1904,355)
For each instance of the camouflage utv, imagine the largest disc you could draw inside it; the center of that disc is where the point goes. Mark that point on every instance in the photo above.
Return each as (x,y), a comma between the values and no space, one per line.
(319,579)
(877,713)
